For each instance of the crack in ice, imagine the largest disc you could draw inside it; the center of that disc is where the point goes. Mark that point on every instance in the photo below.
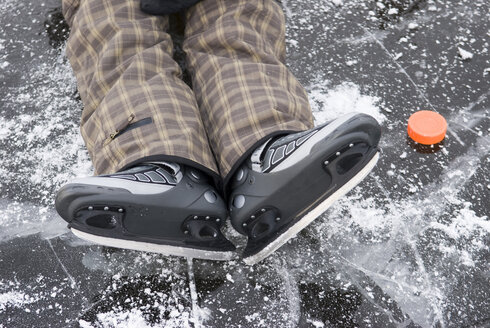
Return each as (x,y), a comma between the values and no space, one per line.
(196,311)
(73,283)
(292,294)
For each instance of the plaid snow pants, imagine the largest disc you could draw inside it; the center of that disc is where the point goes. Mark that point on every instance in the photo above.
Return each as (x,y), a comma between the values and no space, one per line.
(138,109)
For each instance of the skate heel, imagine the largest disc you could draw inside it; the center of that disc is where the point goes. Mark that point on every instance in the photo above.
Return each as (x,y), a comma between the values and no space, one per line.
(345,159)
(262,223)
(100,217)
(205,230)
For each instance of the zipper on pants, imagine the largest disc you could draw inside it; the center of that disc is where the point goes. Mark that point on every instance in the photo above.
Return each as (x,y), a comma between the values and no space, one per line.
(127,126)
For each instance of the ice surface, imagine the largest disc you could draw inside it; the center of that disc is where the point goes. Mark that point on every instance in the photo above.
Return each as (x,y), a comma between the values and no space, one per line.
(360,230)
(409,247)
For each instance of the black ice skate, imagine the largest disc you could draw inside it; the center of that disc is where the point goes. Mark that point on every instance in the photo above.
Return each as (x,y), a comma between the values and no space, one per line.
(158,207)
(289,182)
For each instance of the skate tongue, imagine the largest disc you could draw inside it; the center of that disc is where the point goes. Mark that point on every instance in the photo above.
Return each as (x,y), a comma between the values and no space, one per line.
(262,154)
(258,156)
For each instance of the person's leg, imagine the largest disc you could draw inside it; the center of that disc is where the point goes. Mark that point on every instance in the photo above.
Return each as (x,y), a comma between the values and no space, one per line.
(235,55)
(126,77)
(144,134)
(248,98)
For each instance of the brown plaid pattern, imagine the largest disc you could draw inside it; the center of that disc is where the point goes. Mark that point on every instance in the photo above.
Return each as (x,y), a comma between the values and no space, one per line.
(242,91)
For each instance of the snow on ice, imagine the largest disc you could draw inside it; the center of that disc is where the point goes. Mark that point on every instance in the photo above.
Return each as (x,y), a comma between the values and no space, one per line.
(410,244)
(329,103)
(465,54)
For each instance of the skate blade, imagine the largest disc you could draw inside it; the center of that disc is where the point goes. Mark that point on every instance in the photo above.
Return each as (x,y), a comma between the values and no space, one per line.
(156,248)
(312,215)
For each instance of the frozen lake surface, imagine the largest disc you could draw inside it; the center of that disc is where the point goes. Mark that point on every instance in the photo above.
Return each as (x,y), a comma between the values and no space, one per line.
(409,247)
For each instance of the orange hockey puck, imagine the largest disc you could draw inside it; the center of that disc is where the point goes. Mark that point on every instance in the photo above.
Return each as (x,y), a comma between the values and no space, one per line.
(426,127)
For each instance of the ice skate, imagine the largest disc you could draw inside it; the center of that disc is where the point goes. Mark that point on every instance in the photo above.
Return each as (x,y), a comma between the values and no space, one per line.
(290,181)
(158,207)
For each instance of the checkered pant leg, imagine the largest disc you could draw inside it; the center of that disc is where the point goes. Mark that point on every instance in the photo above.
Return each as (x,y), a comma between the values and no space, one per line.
(235,54)
(136,107)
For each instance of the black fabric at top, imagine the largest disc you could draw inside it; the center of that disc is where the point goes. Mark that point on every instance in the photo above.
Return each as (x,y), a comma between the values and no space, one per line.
(165,7)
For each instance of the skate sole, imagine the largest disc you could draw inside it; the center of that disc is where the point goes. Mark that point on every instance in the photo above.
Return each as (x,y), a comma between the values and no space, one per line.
(312,214)
(167,250)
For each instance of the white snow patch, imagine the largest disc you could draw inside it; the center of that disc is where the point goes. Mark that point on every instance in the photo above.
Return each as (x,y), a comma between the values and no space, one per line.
(125,319)
(398,55)
(393,11)
(229,278)
(15,299)
(316,323)
(252,317)
(84,324)
(465,54)
(328,104)
(413,26)
(369,216)
(465,224)
(351,62)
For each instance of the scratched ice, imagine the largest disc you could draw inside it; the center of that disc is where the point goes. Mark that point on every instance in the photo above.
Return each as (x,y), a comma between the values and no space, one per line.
(408,247)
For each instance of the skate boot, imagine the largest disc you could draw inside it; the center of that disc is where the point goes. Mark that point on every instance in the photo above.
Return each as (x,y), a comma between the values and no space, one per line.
(290,181)
(156,207)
